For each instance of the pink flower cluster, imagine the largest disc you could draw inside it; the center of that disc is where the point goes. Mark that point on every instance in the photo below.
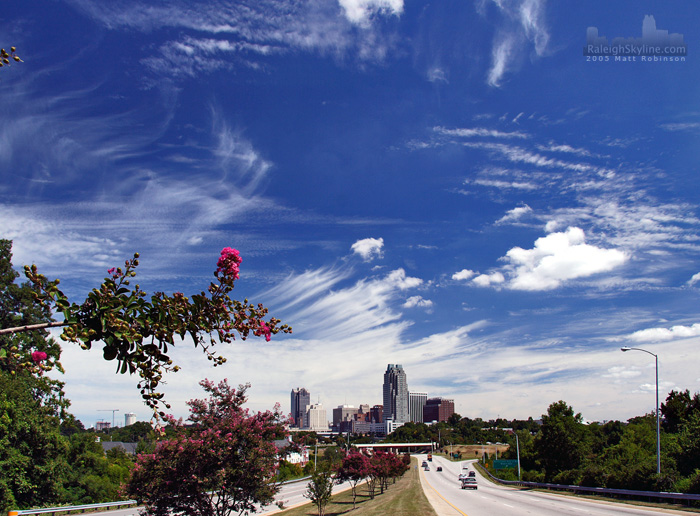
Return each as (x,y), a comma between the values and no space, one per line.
(39,356)
(229,262)
(264,329)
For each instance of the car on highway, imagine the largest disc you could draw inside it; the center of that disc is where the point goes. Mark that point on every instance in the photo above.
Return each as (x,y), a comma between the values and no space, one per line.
(463,475)
(472,473)
(439,468)
(469,483)
(424,464)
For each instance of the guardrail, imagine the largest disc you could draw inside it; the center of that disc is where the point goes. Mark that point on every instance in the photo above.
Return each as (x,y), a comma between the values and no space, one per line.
(68,508)
(630,493)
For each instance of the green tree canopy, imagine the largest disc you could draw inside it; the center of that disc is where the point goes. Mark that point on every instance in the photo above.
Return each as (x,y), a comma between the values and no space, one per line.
(560,443)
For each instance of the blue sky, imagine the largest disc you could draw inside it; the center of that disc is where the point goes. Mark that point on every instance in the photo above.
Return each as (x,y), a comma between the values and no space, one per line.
(451,186)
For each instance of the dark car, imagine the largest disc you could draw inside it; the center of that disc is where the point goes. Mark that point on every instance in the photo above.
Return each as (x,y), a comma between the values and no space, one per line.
(439,468)
(472,473)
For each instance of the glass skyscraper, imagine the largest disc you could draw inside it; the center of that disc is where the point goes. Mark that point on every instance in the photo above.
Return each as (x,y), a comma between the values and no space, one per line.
(300,399)
(396,395)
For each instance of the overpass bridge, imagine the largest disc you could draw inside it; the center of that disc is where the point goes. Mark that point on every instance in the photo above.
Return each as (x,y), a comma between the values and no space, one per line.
(398,447)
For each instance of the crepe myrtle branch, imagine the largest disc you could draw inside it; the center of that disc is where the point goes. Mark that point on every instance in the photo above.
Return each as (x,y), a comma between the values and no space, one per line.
(137,330)
(5,57)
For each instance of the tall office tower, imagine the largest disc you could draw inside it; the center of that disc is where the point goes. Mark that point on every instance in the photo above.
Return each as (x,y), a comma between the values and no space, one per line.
(416,402)
(129,418)
(395,395)
(300,399)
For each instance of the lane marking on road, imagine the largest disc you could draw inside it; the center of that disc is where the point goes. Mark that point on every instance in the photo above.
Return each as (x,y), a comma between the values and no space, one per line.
(445,499)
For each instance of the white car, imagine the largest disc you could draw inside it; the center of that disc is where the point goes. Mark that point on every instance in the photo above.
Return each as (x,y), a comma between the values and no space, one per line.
(469,483)
(463,475)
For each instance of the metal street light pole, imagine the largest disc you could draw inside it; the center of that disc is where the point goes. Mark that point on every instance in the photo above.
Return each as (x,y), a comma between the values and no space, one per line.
(658,426)
(517,449)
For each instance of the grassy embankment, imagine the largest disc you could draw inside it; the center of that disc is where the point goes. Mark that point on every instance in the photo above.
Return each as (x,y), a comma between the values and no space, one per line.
(404,498)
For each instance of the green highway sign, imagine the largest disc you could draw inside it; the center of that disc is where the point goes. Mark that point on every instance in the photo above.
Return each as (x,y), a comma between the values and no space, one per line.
(505,464)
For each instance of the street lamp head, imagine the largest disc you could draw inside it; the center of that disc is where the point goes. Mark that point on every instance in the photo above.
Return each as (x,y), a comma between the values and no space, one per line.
(625,348)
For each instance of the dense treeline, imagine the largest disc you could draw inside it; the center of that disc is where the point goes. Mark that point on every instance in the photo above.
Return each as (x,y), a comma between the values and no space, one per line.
(47,459)
(46,455)
(615,454)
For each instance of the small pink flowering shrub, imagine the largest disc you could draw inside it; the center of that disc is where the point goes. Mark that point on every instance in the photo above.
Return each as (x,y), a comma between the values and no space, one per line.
(224,464)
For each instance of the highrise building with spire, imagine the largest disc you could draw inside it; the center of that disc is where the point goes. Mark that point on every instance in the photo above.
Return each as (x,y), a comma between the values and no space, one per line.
(395,397)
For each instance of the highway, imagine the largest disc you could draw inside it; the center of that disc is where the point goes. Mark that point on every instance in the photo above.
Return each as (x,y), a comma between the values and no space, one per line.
(444,492)
(290,494)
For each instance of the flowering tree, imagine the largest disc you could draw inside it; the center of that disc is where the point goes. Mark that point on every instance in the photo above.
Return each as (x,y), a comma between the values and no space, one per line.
(137,331)
(353,469)
(382,467)
(223,465)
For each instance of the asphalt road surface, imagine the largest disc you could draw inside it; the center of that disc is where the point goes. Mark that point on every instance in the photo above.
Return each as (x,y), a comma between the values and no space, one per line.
(291,494)
(495,500)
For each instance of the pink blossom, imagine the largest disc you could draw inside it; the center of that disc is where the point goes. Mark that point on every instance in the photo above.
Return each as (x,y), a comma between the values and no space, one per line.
(266,330)
(111,271)
(229,262)
(39,356)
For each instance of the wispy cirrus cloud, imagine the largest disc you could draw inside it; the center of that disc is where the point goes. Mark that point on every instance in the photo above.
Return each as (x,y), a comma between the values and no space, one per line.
(464,132)
(522,23)
(230,34)
(341,313)
(515,214)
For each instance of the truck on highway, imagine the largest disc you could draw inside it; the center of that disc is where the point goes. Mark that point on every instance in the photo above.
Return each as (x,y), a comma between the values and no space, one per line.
(430,457)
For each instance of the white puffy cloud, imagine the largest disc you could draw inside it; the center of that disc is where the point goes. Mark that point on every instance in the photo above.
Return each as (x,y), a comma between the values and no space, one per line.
(360,11)
(417,301)
(369,248)
(486,280)
(663,334)
(694,279)
(559,257)
(464,274)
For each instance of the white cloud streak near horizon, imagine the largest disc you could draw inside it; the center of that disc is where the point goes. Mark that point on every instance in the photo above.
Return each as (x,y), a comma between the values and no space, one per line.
(665,334)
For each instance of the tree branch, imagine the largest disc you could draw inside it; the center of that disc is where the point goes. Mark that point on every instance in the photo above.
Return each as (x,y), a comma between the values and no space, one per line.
(32,327)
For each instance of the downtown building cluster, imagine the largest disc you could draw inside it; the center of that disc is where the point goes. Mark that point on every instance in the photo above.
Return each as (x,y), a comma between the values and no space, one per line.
(399,407)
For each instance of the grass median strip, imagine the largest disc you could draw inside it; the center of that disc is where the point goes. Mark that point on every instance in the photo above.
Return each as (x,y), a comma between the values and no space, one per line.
(404,498)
